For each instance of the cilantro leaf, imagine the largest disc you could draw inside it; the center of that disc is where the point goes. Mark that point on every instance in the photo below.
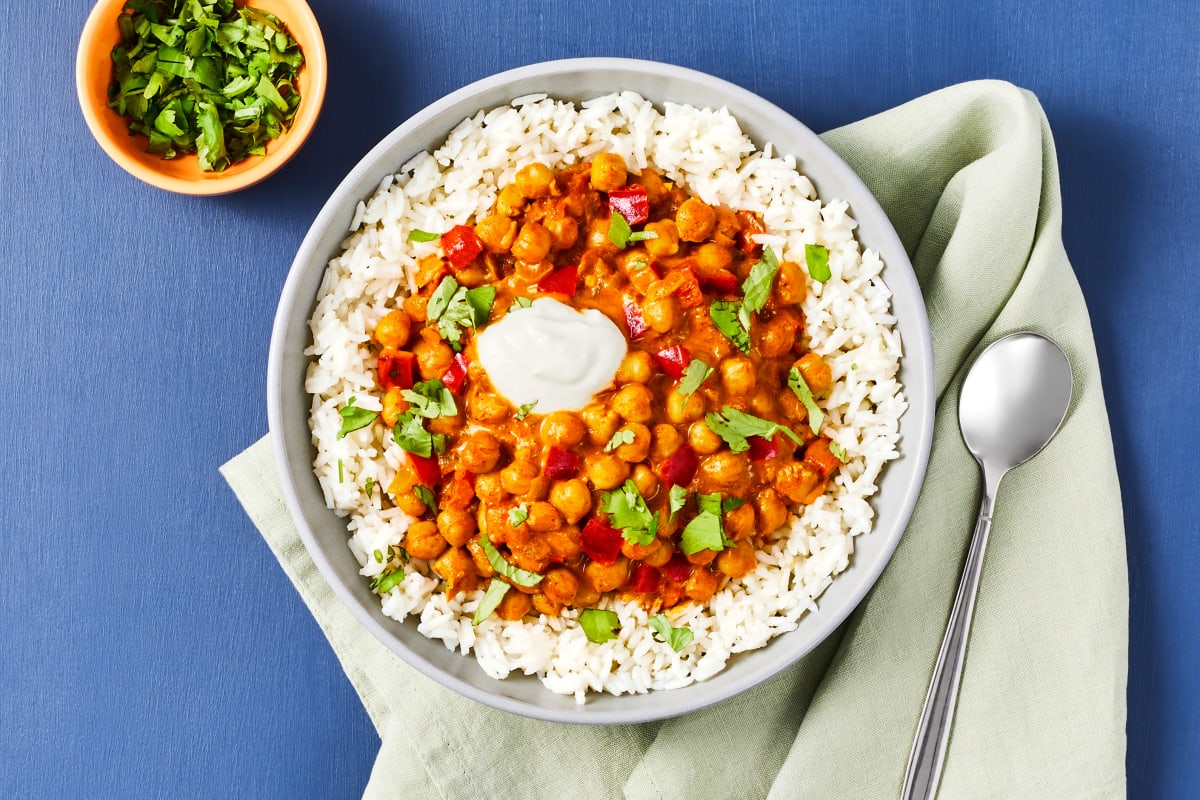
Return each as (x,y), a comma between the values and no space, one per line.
(491,598)
(619,230)
(439,301)
(622,436)
(757,286)
(795,382)
(430,399)
(816,258)
(524,410)
(736,426)
(369,487)
(703,533)
(520,577)
(418,235)
(425,495)
(677,638)
(838,451)
(517,515)
(694,374)
(354,418)
(599,623)
(628,513)
(520,302)
(411,435)
(677,499)
(455,307)
(730,503)
(726,315)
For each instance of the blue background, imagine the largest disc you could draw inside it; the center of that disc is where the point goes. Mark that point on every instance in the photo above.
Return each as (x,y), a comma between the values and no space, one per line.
(150,645)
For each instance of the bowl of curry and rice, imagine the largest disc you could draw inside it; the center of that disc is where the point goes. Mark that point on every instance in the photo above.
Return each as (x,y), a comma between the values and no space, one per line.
(601,390)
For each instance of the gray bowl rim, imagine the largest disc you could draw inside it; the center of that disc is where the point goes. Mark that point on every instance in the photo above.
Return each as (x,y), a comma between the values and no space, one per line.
(902,478)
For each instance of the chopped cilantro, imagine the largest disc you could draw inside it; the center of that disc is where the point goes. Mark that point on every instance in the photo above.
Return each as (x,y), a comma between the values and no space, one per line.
(730,503)
(677,499)
(411,435)
(726,315)
(491,598)
(798,386)
(425,495)
(430,399)
(418,235)
(622,436)
(838,451)
(517,515)
(369,487)
(354,418)
(385,581)
(694,374)
(816,258)
(455,307)
(520,577)
(341,474)
(599,623)
(628,513)
(736,426)
(439,301)
(524,409)
(703,533)
(757,286)
(520,302)
(678,638)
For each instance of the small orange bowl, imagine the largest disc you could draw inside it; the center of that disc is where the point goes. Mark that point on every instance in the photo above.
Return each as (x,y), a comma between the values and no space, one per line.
(94,73)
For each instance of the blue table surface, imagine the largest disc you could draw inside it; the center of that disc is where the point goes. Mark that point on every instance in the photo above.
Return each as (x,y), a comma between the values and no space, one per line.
(150,646)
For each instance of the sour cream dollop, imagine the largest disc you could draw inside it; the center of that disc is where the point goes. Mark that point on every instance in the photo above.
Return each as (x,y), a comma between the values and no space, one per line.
(551,354)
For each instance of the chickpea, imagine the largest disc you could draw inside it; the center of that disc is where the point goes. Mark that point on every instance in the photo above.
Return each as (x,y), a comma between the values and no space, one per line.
(598,233)
(545,605)
(479,559)
(562,429)
(726,468)
(608,172)
(532,244)
(510,202)
(533,555)
(682,408)
(422,540)
(606,577)
(480,452)
(701,585)
(456,527)
(433,358)
(816,372)
(394,405)
(535,180)
(564,231)
(739,523)
(737,561)
(666,241)
(601,422)
(661,313)
(514,605)
(712,257)
(605,470)
(409,503)
(726,228)
(777,335)
(497,232)
(634,402)
(702,438)
(636,367)
(543,517)
(789,284)
(695,220)
(564,542)
(489,488)
(637,552)
(738,376)
(486,408)
(665,440)
(539,487)
(393,329)
(772,512)
(447,426)
(572,498)
(702,558)
(796,481)
(560,585)
(762,402)
(517,477)
(645,480)
(637,449)
(501,530)
(586,595)
(457,569)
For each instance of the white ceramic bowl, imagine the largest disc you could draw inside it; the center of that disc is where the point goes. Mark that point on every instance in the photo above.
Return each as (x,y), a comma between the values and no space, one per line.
(288,403)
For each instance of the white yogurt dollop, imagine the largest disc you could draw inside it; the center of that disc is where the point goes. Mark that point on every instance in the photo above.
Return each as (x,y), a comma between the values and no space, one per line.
(551,354)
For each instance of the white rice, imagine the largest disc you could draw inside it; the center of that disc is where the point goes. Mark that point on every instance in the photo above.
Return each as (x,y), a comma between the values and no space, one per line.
(848,322)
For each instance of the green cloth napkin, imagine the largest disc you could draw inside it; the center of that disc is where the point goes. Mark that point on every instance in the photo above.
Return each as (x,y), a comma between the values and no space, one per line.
(969,178)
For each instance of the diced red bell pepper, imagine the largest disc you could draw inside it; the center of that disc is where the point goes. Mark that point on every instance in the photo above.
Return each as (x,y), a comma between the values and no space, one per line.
(396,369)
(688,293)
(674,360)
(631,202)
(678,569)
(561,281)
(429,471)
(645,579)
(751,225)
(561,464)
(761,449)
(722,281)
(600,541)
(680,468)
(461,245)
(456,375)
(634,321)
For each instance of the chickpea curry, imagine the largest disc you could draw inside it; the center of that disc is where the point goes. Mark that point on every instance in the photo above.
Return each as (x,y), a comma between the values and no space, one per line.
(663,486)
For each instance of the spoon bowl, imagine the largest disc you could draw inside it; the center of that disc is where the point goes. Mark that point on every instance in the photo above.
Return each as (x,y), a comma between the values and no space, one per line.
(1013,400)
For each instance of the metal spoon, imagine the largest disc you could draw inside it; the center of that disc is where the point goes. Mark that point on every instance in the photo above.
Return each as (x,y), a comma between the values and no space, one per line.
(1012,402)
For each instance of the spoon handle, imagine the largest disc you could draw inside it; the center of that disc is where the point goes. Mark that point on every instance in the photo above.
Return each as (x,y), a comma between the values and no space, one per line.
(929,746)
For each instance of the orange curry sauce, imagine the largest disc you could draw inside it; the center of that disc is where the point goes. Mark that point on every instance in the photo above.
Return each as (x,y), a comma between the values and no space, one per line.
(537,486)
